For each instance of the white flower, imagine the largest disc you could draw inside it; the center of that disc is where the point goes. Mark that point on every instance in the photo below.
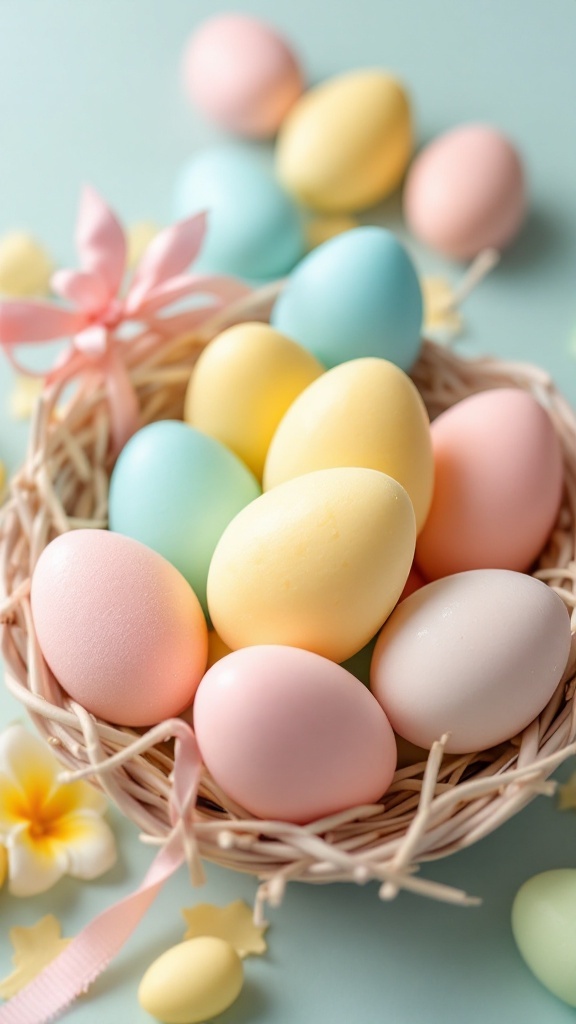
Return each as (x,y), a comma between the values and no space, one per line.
(48,829)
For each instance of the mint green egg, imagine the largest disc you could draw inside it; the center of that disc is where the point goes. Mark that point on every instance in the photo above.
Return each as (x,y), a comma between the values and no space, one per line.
(254,228)
(176,489)
(544,927)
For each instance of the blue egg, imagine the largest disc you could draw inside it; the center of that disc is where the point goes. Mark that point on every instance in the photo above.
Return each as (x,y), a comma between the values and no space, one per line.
(176,489)
(254,228)
(356,295)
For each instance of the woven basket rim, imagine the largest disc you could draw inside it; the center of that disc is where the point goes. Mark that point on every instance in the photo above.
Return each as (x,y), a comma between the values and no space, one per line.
(432,809)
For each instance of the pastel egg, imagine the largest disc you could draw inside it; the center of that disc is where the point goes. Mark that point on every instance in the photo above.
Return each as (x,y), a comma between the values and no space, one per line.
(25,266)
(356,295)
(242,385)
(318,562)
(346,143)
(477,655)
(241,74)
(176,489)
(498,478)
(544,927)
(291,736)
(254,229)
(466,192)
(192,982)
(366,412)
(120,628)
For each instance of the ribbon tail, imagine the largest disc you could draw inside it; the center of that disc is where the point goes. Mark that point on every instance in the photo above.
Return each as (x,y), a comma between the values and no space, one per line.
(51,993)
(122,401)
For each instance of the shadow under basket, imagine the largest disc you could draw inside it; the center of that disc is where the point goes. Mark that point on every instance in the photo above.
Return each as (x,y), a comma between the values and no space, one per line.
(432,809)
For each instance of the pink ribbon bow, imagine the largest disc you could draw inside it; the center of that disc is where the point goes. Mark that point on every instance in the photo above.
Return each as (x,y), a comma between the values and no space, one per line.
(101,310)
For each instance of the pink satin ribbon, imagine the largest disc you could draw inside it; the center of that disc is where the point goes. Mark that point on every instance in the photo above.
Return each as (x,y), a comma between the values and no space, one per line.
(53,991)
(100,310)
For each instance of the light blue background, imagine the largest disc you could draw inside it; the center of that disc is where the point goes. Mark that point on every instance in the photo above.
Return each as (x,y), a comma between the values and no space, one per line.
(89,91)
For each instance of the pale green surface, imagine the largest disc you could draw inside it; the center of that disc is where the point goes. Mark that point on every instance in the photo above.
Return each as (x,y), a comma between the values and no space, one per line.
(89,91)
(544,926)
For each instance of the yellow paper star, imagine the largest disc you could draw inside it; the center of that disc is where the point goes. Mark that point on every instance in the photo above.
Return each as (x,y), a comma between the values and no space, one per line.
(34,948)
(440,312)
(234,923)
(23,396)
(567,794)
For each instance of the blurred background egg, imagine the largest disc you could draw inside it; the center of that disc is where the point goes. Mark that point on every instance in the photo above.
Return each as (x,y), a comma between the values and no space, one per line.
(243,383)
(318,562)
(291,736)
(466,192)
(544,927)
(366,412)
(477,655)
(176,489)
(346,143)
(498,479)
(241,73)
(192,982)
(120,628)
(356,295)
(255,230)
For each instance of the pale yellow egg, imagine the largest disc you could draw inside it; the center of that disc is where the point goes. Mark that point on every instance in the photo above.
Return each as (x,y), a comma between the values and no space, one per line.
(242,385)
(366,412)
(321,229)
(192,982)
(25,267)
(346,143)
(318,563)
(139,235)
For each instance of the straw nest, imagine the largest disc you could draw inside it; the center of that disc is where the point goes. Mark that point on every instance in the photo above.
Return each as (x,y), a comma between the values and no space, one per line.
(432,809)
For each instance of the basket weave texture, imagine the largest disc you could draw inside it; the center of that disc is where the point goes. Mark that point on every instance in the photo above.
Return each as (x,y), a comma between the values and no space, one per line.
(432,809)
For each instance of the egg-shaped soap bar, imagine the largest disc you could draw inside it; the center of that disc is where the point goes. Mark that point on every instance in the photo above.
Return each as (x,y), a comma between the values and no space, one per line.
(498,477)
(192,982)
(366,412)
(242,385)
(466,192)
(346,143)
(477,655)
(120,628)
(544,927)
(241,74)
(291,736)
(356,295)
(254,228)
(176,489)
(318,562)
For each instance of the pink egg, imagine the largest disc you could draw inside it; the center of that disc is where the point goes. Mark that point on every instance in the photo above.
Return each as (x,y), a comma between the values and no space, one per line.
(121,629)
(292,736)
(466,192)
(241,74)
(498,478)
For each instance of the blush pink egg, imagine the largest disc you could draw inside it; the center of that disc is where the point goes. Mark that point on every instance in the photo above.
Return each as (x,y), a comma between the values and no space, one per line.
(241,74)
(291,736)
(466,192)
(119,626)
(498,478)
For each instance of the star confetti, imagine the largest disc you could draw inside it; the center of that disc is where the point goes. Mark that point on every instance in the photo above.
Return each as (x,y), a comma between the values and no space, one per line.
(440,311)
(234,923)
(34,948)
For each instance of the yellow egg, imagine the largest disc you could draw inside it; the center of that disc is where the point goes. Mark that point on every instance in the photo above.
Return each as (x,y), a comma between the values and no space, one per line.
(25,267)
(192,982)
(366,412)
(322,228)
(346,143)
(316,563)
(242,385)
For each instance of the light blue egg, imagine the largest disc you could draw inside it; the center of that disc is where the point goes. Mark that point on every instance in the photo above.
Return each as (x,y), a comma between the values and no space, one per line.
(356,295)
(254,227)
(176,489)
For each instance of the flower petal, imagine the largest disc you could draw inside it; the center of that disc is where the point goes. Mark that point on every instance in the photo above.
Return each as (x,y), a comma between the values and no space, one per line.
(100,241)
(14,808)
(72,798)
(27,760)
(33,866)
(88,844)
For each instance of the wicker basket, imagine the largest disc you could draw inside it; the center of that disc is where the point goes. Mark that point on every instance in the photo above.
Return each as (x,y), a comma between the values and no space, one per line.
(432,809)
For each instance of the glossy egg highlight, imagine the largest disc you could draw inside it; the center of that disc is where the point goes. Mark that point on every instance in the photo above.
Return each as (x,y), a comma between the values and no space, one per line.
(366,412)
(291,736)
(498,480)
(120,628)
(356,295)
(346,143)
(477,655)
(318,562)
